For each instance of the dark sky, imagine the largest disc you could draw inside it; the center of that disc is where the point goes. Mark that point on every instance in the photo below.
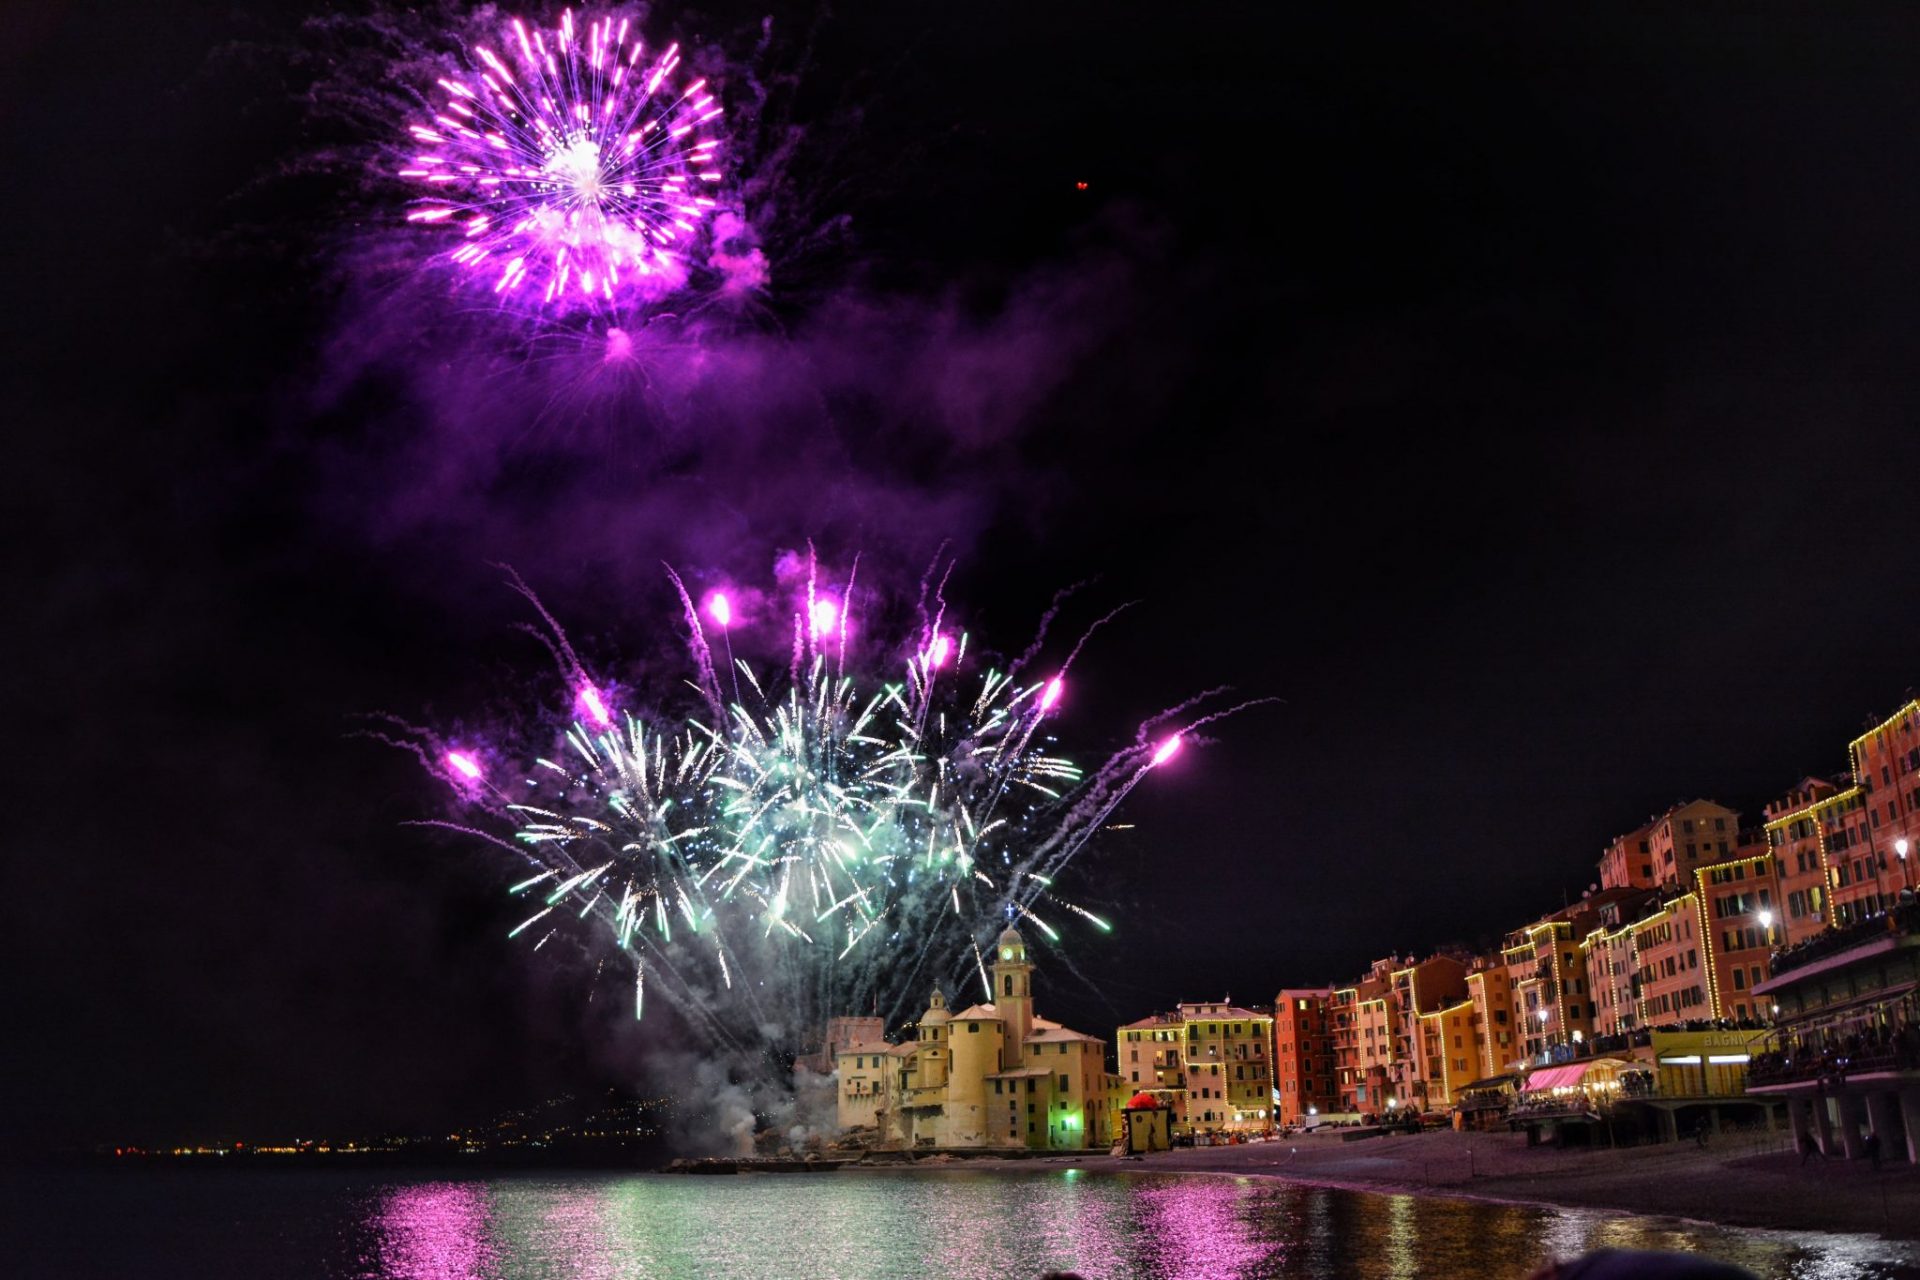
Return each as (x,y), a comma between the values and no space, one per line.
(1526,399)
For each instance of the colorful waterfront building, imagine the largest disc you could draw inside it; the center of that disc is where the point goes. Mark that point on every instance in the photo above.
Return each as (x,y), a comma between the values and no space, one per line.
(994,1074)
(1612,962)
(1431,1019)
(1847,847)
(1886,764)
(1796,827)
(1210,1061)
(869,1076)
(1548,974)
(1303,1059)
(1667,948)
(1363,1042)
(1740,909)
(1151,1056)
(1667,848)
(1411,1033)
(1495,1044)
(1627,861)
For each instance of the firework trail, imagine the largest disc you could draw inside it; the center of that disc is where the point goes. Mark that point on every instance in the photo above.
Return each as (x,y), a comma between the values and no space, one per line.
(572,168)
(822,843)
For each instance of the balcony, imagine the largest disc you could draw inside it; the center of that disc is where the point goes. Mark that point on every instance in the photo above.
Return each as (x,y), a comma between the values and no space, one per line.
(1831,1064)
(1899,922)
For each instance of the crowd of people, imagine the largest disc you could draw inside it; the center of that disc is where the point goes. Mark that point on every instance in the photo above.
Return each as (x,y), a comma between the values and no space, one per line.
(1889,1041)
(1902,917)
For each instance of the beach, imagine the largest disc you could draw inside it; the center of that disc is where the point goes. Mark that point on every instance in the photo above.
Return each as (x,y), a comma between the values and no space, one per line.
(1740,1179)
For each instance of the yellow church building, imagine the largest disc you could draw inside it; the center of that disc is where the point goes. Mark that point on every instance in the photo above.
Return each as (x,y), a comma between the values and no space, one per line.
(990,1075)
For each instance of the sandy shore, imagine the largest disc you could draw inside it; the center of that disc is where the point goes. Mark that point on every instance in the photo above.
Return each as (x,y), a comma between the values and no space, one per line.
(1741,1180)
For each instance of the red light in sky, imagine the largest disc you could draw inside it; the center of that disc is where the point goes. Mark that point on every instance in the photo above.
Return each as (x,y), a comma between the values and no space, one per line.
(1079,186)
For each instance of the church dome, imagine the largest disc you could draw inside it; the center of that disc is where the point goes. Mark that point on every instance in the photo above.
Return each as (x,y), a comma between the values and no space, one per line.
(1011,938)
(936,1009)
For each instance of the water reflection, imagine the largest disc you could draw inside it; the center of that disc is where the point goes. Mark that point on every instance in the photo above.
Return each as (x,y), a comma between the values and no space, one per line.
(1201,1227)
(979,1226)
(439,1231)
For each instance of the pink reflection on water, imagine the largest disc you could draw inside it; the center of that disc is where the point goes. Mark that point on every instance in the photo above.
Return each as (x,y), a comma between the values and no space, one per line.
(1200,1228)
(437,1231)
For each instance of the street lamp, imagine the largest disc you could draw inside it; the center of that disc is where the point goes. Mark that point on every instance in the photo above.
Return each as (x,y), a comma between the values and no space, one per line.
(1766,924)
(1900,848)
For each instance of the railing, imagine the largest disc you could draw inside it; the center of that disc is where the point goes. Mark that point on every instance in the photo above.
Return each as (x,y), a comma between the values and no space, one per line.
(1636,1039)
(1486,1102)
(1638,1085)
(1549,1108)
(1831,1067)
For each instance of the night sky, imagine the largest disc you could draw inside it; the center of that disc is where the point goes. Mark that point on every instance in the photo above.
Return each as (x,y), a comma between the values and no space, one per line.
(1527,400)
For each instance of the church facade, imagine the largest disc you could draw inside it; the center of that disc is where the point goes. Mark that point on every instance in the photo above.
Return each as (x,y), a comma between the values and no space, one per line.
(989,1075)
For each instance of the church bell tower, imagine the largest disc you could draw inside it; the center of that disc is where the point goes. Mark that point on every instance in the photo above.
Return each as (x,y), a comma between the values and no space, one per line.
(1013,993)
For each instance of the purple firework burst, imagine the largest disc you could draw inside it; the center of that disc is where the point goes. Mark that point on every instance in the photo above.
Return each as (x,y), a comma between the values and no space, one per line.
(574,167)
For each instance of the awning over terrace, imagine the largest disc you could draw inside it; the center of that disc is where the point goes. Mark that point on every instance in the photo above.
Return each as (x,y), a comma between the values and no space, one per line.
(1557,1077)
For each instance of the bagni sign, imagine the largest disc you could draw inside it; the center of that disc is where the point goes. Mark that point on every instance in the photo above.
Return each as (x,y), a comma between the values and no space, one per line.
(1729,1039)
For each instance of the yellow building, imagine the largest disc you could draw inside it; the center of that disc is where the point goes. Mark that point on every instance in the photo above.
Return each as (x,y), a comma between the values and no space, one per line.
(869,1075)
(990,1075)
(1210,1062)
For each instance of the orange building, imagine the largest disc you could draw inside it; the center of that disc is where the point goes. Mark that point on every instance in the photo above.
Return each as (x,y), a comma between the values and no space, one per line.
(1418,1070)
(1672,984)
(1796,831)
(1409,1034)
(1303,1057)
(1886,766)
(1549,976)
(1739,903)
(1689,836)
(1492,1023)
(1847,848)
(1612,963)
(1444,1048)
(1362,1043)
(1627,863)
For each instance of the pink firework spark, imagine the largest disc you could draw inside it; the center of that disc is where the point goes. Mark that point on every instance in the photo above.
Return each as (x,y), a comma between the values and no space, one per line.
(596,707)
(1051,694)
(572,167)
